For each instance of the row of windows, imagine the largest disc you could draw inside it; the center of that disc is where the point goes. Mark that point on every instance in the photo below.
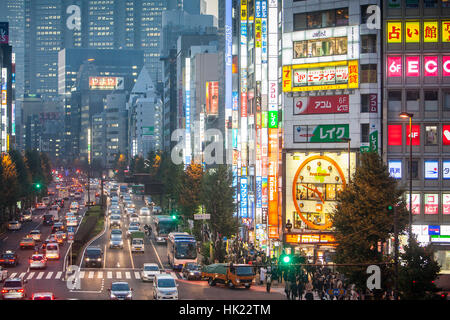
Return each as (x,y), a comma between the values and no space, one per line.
(411,4)
(432,170)
(321,19)
(414,98)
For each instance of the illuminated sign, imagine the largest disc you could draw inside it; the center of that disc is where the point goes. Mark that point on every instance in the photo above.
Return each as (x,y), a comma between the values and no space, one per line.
(413,65)
(446,169)
(320,133)
(212,97)
(445,31)
(394,32)
(430,31)
(430,66)
(321,104)
(431,169)
(446,135)
(244,198)
(106,83)
(395,135)
(395,168)
(321,76)
(415,199)
(412,32)
(310,238)
(4,32)
(446,203)
(394,66)
(415,136)
(431,201)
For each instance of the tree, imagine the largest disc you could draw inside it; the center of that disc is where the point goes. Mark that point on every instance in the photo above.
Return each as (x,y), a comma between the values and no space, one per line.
(217,196)
(170,176)
(46,170)
(189,190)
(120,165)
(9,192)
(418,272)
(33,161)
(23,174)
(362,219)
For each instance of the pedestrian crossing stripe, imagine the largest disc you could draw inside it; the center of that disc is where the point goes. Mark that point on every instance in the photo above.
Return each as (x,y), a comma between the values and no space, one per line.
(51,275)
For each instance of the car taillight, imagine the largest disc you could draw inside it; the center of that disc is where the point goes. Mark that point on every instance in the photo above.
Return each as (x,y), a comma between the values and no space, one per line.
(20,290)
(5,290)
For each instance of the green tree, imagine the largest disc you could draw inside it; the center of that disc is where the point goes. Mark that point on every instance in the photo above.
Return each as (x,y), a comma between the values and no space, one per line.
(362,220)
(46,170)
(10,184)
(23,175)
(170,176)
(33,161)
(217,196)
(189,190)
(417,272)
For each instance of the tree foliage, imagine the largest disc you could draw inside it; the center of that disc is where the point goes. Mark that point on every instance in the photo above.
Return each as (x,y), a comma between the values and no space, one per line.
(362,219)
(10,183)
(189,190)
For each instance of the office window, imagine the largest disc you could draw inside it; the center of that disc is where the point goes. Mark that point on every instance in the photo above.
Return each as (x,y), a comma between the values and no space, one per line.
(364,14)
(299,21)
(369,43)
(414,169)
(412,100)
(342,17)
(446,100)
(364,132)
(394,100)
(365,102)
(431,135)
(445,3)
(412,3)
(431,100)
(430,3)
(314,19)
(368,73)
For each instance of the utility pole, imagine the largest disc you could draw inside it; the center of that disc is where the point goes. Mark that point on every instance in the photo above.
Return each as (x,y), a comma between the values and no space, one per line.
(396,252)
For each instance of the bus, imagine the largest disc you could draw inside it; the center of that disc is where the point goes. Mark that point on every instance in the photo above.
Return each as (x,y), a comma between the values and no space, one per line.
(123,190)
(161,227)
(138,189)
(181,249)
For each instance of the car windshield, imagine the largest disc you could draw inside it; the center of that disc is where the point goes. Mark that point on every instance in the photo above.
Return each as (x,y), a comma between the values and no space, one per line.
(116,236)
(134,228)
(116,231)
(12,284)
(192,267)
(13,222)
(115,217)
(120,287)
(186,250)
(151,268)
(166,283)
(52,247)
(93,252)
(244,271)
(37,258)
(8,256)
(27,240)
(35,232)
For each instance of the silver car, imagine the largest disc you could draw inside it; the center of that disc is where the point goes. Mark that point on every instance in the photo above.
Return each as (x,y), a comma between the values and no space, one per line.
(38,261)
(116,240)
(114,221)
(14,225)
(120,291)
(149,271)
(14,288)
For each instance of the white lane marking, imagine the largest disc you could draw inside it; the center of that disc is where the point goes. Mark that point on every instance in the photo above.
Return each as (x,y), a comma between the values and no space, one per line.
(22,275)
(119,275)
(91,275)
(58,275)
(157,255)
(137,275)
(100,275)
(82,274)
(40,275)
(104,256)
(49,275)
(109,275)
(127,275)
(131,256)
(13,275)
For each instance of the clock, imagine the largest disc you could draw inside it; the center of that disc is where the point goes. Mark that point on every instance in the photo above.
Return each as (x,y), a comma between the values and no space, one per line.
(315,188)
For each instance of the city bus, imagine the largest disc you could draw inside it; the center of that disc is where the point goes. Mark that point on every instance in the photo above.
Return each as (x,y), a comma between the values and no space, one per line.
(138,189)
(181,249)
(123,190)
(161,227)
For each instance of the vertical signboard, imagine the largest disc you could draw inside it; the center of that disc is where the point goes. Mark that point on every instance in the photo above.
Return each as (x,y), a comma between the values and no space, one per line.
(187,155)
(3,114)
(4,32)
(212,98)
(244,198)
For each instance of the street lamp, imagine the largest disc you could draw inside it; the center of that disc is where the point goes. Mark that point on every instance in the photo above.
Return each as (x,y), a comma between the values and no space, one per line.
(348,150)
(405,115)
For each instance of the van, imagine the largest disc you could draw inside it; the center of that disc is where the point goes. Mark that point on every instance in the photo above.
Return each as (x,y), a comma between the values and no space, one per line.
(52,251)
(165,287)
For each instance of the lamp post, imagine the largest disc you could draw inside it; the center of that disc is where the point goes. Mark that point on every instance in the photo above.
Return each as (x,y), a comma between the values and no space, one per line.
(405,115)
(348,150)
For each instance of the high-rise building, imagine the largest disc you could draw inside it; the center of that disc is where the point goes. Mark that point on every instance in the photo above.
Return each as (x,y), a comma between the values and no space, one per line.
(6,88)
(416,67)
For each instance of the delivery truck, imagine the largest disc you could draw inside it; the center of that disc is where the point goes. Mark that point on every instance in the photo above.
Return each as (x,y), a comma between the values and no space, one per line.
(231,275)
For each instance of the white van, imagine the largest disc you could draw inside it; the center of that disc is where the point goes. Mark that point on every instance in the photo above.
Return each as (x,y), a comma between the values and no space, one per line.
(52,251)
(165,287)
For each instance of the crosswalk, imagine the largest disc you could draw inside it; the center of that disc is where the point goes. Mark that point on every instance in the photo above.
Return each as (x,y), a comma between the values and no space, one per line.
(86,274)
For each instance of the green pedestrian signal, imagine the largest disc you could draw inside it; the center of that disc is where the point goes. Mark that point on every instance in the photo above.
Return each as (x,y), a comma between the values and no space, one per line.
(286,259)
(38,185)
(174,217)
(390,208)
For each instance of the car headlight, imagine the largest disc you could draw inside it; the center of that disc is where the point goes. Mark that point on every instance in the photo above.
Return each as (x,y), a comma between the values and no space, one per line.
(99,259)
(191,273)
(238,281)
(87,259)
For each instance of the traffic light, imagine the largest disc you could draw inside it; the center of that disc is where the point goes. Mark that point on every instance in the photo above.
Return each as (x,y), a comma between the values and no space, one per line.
(286,259)
(37,186)
(174,217)
(390,209)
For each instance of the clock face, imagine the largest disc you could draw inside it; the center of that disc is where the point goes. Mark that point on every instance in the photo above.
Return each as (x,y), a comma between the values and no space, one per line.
(315,189)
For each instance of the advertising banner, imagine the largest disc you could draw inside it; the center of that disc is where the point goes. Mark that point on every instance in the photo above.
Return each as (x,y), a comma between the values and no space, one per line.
(394,32)
(395,168)
(258,192)
(445,169)
(243,203)
(321,104)
(446,203)
(106,83)
(412,32)
(212,98)
(394,66)
(320,133)
(431,169)
(373,140)
(415,135)
(431,203)
(4,32)
(430,31)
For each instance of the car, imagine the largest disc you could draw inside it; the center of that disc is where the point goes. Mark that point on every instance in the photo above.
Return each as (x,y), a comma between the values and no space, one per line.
(131,229)
(149,271)
(43,296)
(144,211)
(48,219)
(9,258)
(120,291)
(27,243)
(165,287)
(113,207)
(191,271)
(14,288)
(116,212)
(38,261)
(59,226)
(77,195)
(52,251)
(148,200)
(74,205)
(116,240)
(27,216)
(115,221)
(93,257)
(41,206)
(134,218)
(156,210)
(14,225)
(59,238)
(130,211)
(46,200)
(62,233)
(72,194)
(55,207)
(35,234)
(3,274)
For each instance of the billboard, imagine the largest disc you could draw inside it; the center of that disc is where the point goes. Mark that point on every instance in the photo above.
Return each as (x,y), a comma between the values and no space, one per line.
(106,83)
(415,199)
(321,76)
(321,104)
(429,66)
(4,32)
(212,98)
(324,133)
(431,201)
(148,131)
(395,168)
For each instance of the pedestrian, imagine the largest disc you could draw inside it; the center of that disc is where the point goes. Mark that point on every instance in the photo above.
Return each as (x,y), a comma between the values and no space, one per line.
(300,288)
(309,291)
(262,275)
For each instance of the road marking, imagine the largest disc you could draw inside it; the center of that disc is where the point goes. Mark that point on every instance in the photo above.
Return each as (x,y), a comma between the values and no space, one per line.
(100,275)
(40,275)
(22,275)
(127,275)
(13,275)
(119,275)
(82,274)
(58,275)
(137,275)
(104,256)
(49,275)
(157,255)
(91,275)
(131,256)
(109,275)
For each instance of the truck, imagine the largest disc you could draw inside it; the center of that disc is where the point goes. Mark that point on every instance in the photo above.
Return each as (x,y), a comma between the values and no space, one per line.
(137,241)
(231,275)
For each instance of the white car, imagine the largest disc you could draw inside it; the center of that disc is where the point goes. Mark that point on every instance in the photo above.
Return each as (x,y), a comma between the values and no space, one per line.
(114,207)
(149,271)
(14,225)
(35,234)
(144,211)
(134,218)
(3,274)
(131,229)
(38,261)
(165,287)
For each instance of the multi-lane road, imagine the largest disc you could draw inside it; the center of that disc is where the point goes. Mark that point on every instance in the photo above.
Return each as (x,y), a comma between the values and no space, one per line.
(118,265)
